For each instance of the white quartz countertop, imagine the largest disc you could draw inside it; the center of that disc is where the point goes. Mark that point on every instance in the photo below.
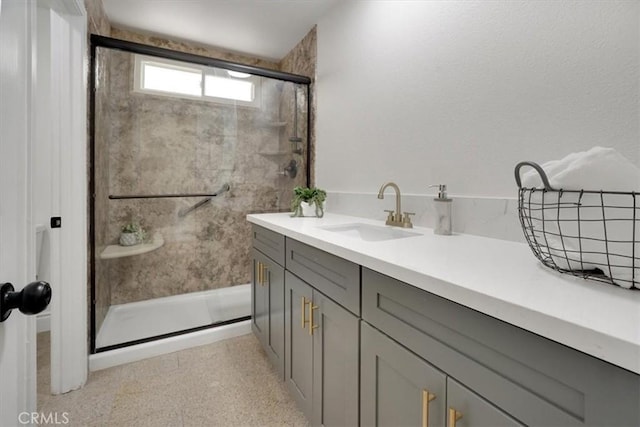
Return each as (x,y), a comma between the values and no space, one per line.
(499,278)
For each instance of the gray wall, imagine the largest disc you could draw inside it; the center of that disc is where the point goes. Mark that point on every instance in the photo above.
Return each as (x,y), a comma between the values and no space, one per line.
(457,92)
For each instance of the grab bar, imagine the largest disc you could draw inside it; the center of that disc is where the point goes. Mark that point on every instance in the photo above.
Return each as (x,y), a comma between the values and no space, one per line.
(224,188)
(184,212)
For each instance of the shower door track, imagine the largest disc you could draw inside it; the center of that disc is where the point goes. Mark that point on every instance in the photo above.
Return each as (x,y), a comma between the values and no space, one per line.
(102,41)
(169,335)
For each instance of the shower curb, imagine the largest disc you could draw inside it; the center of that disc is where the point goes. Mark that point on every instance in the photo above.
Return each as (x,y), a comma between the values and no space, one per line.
(134,353)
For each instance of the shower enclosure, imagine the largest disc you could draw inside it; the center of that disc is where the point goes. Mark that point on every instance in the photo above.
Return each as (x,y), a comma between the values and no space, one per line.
(183,148)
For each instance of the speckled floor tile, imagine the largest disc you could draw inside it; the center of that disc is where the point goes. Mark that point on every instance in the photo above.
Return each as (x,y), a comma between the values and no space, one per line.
(228,383)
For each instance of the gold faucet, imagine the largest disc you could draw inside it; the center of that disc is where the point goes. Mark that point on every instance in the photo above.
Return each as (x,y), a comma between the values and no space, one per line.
(396,219)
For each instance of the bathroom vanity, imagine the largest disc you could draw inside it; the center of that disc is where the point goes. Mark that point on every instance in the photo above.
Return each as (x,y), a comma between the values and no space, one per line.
(368,326)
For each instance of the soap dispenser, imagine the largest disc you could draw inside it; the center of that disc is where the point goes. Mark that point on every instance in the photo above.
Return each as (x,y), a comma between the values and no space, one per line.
(442,205)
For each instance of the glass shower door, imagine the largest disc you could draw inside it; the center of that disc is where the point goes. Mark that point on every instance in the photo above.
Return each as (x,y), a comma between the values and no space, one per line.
(179,165)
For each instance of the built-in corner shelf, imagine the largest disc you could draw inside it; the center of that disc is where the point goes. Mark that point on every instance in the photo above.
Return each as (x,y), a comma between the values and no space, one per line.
(117,251)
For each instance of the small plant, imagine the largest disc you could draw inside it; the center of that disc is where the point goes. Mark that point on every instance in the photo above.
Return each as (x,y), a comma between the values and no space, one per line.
(133,228)
(312,196)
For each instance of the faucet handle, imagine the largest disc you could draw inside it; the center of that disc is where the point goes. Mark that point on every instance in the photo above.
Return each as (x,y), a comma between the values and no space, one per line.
(391,218)
(406,221)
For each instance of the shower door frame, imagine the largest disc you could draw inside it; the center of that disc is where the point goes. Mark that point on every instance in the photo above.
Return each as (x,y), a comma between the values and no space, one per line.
(138,48)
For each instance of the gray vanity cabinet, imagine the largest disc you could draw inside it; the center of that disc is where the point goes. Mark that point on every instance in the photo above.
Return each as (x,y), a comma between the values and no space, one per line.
(267,295)
(321,355)
(497,374)
(357,347)
(312,340)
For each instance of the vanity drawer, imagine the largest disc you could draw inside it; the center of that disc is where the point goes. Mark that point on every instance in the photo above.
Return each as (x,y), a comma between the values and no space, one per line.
(335,277)
(538,381)
(269,243)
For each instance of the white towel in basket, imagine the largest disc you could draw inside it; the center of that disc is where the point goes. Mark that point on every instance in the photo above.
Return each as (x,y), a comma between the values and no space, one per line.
(599,168)
(606,224)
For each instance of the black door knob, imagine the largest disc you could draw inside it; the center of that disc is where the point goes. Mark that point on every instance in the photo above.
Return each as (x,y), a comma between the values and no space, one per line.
(32,299)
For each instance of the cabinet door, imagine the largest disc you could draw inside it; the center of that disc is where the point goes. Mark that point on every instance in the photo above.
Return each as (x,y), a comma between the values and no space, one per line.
(398,388)
(467,409)
(274,339)
(335,363)
(259,298)
(298,342)
(268,308)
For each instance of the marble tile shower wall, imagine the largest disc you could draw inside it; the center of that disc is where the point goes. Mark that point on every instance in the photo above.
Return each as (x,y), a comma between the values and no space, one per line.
(162,145)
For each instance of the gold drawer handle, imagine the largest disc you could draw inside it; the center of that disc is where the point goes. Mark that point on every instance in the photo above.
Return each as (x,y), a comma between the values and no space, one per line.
(454,416)
(426,398)
(303,303)
(262,273)
(311,325)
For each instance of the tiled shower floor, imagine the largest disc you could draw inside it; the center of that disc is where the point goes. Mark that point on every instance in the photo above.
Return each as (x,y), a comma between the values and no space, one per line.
(228,383)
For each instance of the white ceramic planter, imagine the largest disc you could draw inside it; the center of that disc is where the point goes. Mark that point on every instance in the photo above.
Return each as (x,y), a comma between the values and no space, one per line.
(128,239)
(308,209)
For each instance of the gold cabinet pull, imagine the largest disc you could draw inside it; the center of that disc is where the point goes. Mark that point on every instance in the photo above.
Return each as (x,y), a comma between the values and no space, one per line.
(426,398)
(303,303)
(454,416)
(311,325)
(259,279)
(261,274)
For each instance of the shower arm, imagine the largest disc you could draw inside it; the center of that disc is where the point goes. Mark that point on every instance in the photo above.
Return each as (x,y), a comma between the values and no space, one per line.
(184,212)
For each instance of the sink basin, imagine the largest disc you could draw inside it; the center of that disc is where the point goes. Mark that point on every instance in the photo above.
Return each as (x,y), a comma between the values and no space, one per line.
(370,233)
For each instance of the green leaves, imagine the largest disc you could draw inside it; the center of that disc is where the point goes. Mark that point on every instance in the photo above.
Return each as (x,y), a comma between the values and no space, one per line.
(313,196)
(134,227)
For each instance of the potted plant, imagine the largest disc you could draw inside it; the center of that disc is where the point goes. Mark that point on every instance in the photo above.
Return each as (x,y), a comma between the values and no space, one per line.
(132,234)
(308,201)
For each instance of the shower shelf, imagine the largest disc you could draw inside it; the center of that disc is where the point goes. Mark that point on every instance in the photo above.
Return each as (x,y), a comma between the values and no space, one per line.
(117,251)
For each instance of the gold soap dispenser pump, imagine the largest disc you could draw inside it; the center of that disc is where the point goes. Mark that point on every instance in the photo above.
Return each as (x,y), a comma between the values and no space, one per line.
(442,206)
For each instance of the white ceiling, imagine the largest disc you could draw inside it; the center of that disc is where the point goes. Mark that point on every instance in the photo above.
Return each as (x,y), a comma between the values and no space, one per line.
(267,29)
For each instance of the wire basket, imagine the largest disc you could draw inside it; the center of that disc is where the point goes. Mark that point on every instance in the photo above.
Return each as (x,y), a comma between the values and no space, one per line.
(590,234)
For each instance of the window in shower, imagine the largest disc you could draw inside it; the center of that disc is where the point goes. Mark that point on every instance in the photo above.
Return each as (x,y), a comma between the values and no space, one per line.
(187,168)
(173,78)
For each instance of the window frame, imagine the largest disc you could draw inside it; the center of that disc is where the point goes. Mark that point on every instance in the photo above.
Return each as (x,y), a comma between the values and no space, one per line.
(138,79)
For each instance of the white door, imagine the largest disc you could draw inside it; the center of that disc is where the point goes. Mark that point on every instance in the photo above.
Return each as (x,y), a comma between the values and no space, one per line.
(48,72)
(17,333)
